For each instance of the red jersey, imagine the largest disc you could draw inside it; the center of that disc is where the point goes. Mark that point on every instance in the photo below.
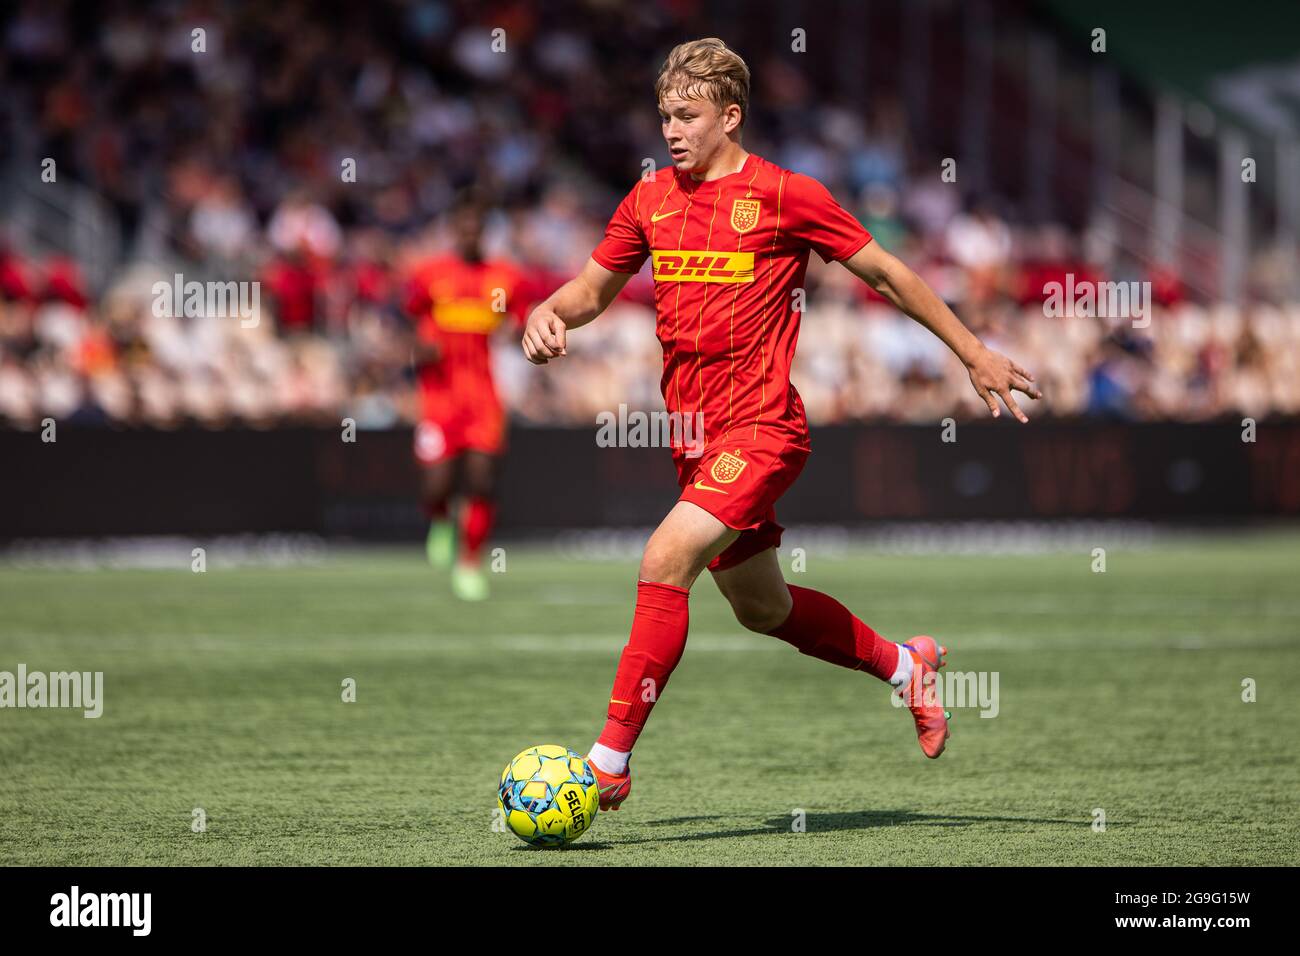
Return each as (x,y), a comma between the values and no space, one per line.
(458,305)
(727,256)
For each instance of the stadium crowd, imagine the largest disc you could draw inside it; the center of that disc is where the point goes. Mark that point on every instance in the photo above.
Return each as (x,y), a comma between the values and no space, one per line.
(232,164)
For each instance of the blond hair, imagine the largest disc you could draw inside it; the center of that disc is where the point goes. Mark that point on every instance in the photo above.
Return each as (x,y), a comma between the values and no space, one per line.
(706,69)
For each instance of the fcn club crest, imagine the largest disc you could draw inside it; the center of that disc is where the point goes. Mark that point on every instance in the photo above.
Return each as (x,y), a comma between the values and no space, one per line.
(744,214)
(727,468)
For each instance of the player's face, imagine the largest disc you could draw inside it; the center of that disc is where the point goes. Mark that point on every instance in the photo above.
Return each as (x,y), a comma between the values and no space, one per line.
(694,130)
(467,230)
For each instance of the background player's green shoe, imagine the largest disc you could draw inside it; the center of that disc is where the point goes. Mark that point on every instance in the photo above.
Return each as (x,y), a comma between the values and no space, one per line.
(440,545)
(469,583)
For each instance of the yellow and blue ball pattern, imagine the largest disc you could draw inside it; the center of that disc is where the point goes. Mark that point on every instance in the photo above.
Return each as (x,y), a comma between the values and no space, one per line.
(548,795)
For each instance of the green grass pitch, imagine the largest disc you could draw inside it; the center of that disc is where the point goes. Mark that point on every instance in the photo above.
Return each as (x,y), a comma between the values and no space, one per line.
(1120,691)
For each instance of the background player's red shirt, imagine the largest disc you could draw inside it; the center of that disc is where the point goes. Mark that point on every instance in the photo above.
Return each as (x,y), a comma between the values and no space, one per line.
(727,256)
(458,305)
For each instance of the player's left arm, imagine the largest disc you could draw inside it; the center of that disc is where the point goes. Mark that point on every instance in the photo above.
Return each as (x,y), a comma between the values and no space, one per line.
(991,373)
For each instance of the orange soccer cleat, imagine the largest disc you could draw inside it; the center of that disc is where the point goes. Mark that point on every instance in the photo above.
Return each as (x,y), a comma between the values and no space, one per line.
(614,787)
(921,696)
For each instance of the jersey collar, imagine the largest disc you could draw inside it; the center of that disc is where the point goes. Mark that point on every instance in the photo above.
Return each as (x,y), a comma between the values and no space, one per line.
(687,184)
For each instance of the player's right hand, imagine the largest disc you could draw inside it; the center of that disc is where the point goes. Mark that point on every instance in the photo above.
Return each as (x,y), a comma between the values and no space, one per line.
(543,336)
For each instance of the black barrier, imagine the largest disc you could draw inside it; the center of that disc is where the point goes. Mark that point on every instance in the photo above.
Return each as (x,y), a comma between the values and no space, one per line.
(96,482)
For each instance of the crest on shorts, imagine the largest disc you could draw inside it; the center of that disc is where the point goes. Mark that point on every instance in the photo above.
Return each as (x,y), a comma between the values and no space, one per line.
(744,214)
(727,467)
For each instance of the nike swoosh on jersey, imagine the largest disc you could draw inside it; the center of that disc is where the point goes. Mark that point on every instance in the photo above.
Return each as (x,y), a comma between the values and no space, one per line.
(656,216)
(704,487)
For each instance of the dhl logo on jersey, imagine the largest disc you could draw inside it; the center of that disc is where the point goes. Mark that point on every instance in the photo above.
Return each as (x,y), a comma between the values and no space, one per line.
(465,315)
(697,265)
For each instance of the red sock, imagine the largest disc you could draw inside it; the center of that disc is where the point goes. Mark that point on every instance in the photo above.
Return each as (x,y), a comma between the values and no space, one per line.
(822,627)
(652,651)
(476,519)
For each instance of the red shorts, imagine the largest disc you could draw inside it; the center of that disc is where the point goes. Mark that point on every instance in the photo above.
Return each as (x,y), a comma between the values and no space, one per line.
(738,482)
(439,439)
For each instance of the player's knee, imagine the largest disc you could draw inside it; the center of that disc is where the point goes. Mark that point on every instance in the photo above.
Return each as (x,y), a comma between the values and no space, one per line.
(664,565)
(480,489)
(480,476)
(435,482)
(761,615)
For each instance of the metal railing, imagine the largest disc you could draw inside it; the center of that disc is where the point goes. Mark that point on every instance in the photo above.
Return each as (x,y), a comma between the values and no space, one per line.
(62,217)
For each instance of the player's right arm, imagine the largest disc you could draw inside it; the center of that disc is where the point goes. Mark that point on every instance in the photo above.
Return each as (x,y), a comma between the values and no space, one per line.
(571,306)
(616,258)
(417,305)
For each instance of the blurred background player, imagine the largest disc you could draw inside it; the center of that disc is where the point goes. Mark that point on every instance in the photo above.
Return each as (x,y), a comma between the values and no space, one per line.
(459,299)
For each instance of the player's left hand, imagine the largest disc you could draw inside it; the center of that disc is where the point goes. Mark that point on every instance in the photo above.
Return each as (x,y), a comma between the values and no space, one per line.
(992,373)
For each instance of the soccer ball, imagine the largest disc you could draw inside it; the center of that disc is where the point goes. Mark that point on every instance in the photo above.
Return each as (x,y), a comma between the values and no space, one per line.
(548,795)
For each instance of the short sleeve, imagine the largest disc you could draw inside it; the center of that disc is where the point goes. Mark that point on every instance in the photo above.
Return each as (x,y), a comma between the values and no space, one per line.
(416,301)
(822,223)
(624,248)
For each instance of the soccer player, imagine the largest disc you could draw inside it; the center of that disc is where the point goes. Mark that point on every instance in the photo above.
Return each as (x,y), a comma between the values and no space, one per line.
(459,299)
(728,235)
